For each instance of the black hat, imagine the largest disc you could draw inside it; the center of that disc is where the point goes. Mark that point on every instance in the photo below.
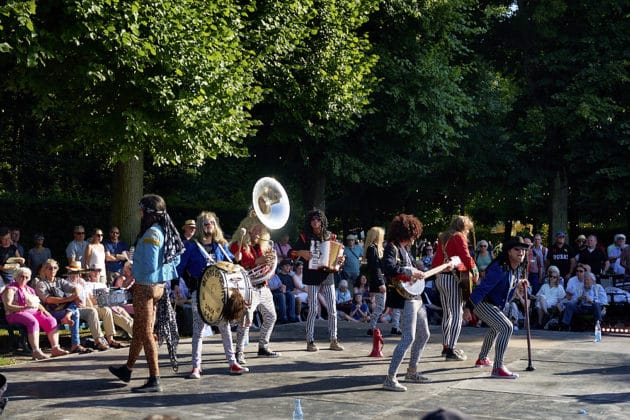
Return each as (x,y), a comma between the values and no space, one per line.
(285,262)
(515,242)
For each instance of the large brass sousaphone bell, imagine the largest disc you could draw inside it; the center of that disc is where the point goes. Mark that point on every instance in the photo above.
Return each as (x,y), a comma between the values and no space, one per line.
(271,203)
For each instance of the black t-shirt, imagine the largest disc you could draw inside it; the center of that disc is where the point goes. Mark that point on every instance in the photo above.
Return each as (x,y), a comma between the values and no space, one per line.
(561,258)
(595,258)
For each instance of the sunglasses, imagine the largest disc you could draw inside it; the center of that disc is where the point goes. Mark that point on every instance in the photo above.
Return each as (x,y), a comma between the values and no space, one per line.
(52,268)
(553,277)
(211,222)
(580,271)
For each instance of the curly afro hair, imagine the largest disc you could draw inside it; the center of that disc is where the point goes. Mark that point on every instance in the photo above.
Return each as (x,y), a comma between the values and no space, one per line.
(404,227)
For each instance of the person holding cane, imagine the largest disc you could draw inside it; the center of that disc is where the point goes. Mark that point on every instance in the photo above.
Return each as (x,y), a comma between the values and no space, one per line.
(497,287)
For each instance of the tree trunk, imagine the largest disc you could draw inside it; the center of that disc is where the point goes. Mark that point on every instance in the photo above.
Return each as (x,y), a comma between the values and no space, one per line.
(317,192)
(127,192)
(559,203)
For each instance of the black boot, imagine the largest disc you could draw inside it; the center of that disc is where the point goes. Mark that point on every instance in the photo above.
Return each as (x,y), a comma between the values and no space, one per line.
(123,373)
(152,385)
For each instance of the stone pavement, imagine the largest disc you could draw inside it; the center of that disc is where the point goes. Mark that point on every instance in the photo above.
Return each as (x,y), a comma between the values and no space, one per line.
(572,374)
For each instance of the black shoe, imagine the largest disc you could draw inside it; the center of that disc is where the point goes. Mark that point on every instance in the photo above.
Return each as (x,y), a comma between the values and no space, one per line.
(370,332)
(455,355)
(123,373)
(152,385)
(444,351)
(263,352)
(396,331)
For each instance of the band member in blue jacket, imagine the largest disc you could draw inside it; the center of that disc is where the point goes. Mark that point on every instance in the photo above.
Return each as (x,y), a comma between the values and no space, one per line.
(502,279)
(206,247)
(157,254)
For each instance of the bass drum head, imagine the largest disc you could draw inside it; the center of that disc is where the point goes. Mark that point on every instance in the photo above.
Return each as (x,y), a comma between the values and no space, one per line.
(212,295)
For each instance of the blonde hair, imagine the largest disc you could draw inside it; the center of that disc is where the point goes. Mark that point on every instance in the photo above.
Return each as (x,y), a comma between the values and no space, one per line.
(217,235)
(460,224)
(376,235)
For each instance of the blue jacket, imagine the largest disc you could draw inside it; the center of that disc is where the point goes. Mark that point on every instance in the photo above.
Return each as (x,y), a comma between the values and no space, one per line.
(496,286)
(148,259)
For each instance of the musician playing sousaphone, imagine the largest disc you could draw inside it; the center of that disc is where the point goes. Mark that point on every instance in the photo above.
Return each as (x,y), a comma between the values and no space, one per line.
(398,267)
(317,280)
(205,248)
(253,250)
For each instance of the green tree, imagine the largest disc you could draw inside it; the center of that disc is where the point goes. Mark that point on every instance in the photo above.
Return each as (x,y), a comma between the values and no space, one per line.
(165,79)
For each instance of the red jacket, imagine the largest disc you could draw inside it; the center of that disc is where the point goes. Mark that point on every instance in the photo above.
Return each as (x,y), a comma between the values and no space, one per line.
(456,245)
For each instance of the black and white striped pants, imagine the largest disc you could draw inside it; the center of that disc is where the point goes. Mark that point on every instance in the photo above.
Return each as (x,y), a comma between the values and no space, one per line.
(451,298)
(261,298)
(327,288)
(415,333)
(500,331)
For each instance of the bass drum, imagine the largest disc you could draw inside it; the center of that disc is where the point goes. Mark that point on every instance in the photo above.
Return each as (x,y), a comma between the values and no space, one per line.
(218,282)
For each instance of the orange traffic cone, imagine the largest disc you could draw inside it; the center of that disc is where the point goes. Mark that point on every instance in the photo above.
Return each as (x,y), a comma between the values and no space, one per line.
(377,343)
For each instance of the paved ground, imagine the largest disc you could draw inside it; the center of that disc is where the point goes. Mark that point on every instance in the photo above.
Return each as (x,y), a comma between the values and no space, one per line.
(572,374)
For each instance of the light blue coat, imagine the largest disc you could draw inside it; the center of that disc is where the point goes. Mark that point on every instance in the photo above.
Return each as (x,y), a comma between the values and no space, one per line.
(148,259)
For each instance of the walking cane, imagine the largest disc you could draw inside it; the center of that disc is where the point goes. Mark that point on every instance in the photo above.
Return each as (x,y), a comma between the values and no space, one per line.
(529,335)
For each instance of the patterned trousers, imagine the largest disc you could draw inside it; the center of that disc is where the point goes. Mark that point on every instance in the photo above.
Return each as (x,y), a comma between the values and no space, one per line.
(145,298)
(379,299)
(451,298)
(327,288)
(500,331)
(415,333)
(199,331)
(262,299)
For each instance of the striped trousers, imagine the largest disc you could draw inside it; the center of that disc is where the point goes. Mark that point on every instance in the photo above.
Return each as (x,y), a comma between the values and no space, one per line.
(452,310)
(328,290)
(499,333)
(262,299)
(415,333)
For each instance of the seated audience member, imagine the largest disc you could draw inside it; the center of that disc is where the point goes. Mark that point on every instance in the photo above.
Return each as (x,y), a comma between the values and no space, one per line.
(283,299)
(300,292)
(116,313)
(344,297)
(37,255)
(362,287)
(593,256)
(282,247)
(22,306)
(614,252)
(515,306)
(116,253)
(591,301)
(10,258)
(359,310)
(59,298)
(86,311)
(575,285)
(483,257)
(549,297)
(287,278)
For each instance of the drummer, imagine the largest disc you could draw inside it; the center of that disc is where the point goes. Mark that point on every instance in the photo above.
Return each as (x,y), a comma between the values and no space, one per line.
(253,250)
(206,247)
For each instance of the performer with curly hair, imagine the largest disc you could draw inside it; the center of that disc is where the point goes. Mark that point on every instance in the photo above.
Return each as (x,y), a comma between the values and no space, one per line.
(398,264)
(317,281)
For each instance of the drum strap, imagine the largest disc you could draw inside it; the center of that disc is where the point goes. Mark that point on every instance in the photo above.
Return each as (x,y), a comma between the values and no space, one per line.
(209,259)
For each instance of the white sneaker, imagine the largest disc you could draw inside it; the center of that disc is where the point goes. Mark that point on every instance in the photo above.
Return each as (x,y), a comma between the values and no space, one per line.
(392,384)
(417,377)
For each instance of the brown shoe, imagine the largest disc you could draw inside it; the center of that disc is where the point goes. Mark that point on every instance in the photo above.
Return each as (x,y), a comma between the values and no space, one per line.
(79,349)
(334,345)
(101,345)
(58,351)
(310,346)
(116,344)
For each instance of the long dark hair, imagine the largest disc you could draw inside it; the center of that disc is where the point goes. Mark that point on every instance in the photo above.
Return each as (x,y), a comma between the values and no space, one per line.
(154,211)
(308,230)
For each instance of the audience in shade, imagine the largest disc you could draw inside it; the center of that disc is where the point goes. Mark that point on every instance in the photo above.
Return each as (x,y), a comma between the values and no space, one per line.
(37,255)
(590,301)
